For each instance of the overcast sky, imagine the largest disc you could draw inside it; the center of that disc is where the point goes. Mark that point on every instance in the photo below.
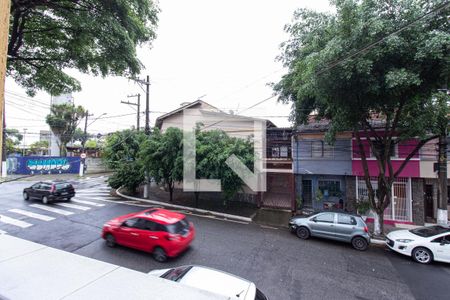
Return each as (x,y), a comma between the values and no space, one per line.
(222,50)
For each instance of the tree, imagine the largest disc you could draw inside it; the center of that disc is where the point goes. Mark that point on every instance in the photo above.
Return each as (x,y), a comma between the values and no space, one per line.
(91,144)
(63,120)
(12,139)
(39,146)
(162,156)
(371,68)
(79,136)
(212,150)
(93,36)
(120,153)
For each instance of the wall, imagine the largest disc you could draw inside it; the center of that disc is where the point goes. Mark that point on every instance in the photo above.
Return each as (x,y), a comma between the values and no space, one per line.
(418,205)
(412,168)
(95,165)
(43,165)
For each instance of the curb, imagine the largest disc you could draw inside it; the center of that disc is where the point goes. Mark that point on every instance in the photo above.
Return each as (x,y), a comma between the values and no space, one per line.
(192,209)
(16,179)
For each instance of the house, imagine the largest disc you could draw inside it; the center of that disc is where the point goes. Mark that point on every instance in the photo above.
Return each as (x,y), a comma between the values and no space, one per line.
(280,193)
(323,172)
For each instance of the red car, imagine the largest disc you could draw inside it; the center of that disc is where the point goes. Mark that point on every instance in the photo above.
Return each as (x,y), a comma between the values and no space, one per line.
(161,232)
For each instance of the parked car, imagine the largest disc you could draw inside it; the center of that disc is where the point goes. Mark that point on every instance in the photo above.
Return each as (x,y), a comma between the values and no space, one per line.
(212,280)
(423,244)
(158,231)
(49,191)
(338,226)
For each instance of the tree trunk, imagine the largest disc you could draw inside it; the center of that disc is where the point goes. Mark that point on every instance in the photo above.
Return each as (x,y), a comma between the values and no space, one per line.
(378,223)
(170,192)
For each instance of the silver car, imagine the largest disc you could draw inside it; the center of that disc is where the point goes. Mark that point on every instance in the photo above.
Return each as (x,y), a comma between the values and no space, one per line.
(338,226)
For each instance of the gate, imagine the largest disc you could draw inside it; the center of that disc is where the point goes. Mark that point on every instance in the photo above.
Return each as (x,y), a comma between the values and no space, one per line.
(279,191)
(400,207)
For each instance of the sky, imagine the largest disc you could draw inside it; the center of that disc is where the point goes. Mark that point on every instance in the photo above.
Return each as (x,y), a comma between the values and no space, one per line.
(223,52)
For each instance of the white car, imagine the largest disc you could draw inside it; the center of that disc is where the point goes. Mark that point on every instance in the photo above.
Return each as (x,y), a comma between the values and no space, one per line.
(423,244)
(212,280)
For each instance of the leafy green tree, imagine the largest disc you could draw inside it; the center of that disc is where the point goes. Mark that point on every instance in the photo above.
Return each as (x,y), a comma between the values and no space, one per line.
(213,148)
(93,36)
(39,146)
(347,67)
(120,153)
(12,139)
(79,136)
(162,156)
(91,144)
(63,120)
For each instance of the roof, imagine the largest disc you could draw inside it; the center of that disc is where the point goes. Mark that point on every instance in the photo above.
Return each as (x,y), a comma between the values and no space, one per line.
(159,120)
(162,216)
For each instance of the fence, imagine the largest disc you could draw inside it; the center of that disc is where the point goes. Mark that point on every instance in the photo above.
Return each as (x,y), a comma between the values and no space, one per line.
(400,207)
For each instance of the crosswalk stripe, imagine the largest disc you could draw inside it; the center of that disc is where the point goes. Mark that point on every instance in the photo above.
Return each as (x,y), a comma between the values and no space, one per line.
(73,206)
(31,214)
(52,209)
(14,222)
(87,202)
(3,232)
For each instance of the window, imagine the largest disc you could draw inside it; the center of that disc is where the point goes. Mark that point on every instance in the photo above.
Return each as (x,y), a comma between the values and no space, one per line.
(36,186)
(130,222)
(259,295)
(283,151)
(330,188)
(275,152)
(346,219)
(325,218)
(180,227)
(429,231)
(45,186)
(149,225)
(317,149)
(378,147)
(443,239)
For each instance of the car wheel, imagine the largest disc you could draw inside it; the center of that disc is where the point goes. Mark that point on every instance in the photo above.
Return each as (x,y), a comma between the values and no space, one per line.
(25,196)
(45,200)
(110,240)
(303,233)
(159,254)
(360,243)
(422,255)
(68,199)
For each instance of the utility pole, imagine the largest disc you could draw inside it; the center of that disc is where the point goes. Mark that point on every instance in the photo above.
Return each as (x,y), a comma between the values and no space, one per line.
(147,106)
(4,32)
(83,143)
(138,104)
(442,211)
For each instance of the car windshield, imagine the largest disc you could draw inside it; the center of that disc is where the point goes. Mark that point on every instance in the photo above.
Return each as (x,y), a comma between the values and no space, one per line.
(176,273)
(179,227)
(429,231)
(60,186)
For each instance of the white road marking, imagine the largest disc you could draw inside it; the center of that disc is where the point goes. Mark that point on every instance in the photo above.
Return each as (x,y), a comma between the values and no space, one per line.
(74,206)
(31,214)
(3,232)
(52,209)
(87,202)
(11,221)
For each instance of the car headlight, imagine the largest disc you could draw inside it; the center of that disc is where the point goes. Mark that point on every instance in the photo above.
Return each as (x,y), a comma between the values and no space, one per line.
(404,240)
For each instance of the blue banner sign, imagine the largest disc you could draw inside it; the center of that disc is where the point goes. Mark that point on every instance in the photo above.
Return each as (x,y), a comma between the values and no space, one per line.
(43,165)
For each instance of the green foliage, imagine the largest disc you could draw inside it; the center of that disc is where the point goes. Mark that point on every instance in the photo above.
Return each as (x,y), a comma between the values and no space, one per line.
(213,149)
(12,139)
(162,156)
(79,136)
(39,146)
(319,195)
(363,207)
(93,36)
(122,147)
(341,69)
(63,121)
(299,201)
(128,175)
(91,144)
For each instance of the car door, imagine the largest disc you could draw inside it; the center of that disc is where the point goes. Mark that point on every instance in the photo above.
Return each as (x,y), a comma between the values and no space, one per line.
(33,191)
(322,225)
(150,235)
(126,235)
(345,227)
(441,248)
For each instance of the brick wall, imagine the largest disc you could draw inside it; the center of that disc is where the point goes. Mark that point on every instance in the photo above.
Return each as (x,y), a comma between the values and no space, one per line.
(418,205)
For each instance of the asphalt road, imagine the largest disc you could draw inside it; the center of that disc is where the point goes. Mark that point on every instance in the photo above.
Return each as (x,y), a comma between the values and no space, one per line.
(280,264)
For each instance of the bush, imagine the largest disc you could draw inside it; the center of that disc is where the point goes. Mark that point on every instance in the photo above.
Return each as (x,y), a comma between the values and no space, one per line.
(128,175)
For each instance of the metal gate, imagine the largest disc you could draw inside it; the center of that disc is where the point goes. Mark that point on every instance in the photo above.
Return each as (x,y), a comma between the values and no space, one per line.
(279,193)
(400,207)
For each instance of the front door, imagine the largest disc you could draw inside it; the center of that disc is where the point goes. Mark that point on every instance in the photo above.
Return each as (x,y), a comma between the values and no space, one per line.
(441,248)
(307,193)
(345,226)
(429,201)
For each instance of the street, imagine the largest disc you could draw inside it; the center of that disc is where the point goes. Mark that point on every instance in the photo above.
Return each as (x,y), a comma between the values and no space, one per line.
(280,264)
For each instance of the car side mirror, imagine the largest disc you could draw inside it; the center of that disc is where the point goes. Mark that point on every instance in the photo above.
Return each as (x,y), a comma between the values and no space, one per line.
(444,242)
(314,220)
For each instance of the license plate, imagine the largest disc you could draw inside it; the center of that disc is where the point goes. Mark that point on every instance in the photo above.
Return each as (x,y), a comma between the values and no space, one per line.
(64,193)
